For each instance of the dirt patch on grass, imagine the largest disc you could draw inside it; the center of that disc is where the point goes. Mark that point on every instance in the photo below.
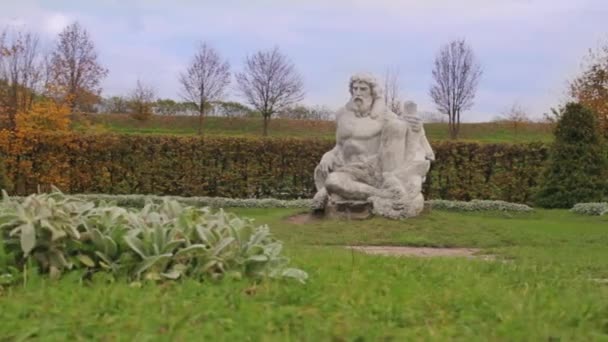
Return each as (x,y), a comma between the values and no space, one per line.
(303,218)
(421,251)
(472,253)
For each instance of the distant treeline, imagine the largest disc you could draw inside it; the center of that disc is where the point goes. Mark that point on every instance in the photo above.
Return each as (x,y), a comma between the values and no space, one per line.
(122,105)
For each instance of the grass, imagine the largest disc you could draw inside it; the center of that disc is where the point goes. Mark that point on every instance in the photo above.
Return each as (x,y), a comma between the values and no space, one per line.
(543,287)
(444,229)
(494,132)
(214,126)
(491,132)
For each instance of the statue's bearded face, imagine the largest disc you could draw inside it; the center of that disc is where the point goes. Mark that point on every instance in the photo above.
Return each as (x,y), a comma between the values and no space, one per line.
(362,97)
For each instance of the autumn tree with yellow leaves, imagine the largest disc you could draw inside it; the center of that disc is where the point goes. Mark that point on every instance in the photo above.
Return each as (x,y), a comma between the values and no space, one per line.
(45,115)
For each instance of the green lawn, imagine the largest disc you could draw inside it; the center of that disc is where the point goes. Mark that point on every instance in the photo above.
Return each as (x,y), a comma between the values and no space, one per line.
(491,132)
(494,132)
(214,126)
(548,283)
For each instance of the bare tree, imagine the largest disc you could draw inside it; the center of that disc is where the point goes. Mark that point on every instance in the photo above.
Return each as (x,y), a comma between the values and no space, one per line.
(303,112)
(456,73)
(432,117)
(21,66)
(141,101)
(321,113)
(75,71)
(270,83)
(516,116)
(296,112)
(230,109)
(205,80)
(117,105)
(392,79)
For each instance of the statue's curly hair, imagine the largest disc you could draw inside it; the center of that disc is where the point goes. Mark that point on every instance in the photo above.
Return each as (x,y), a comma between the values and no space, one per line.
(374,86)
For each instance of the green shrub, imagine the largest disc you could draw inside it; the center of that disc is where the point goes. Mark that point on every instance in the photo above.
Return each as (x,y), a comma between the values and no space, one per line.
(56,233)
(139,201)
(593,209)
(578,168)
(467,171)
(477,205)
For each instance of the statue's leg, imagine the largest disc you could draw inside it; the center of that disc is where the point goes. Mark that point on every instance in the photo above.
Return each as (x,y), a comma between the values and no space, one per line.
(393,184)
(320,199)
(320,177)
(344,185)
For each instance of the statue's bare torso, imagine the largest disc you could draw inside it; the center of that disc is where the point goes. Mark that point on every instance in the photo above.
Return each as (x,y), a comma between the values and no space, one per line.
(358,138)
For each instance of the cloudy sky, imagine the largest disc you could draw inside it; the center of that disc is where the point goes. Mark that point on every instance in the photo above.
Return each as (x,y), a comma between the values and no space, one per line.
(528,48)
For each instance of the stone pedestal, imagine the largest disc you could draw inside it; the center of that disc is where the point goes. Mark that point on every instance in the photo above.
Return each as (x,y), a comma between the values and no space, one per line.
(351,210)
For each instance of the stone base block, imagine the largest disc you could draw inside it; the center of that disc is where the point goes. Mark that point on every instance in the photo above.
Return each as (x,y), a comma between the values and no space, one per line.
(351,210)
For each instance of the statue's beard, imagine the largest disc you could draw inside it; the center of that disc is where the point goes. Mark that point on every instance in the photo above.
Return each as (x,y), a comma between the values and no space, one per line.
(360,105)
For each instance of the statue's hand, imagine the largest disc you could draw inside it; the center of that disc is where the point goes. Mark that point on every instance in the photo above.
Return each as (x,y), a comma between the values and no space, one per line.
(326,164)
(414,122)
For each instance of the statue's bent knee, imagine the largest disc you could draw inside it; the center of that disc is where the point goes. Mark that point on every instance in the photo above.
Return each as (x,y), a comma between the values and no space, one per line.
(333,182)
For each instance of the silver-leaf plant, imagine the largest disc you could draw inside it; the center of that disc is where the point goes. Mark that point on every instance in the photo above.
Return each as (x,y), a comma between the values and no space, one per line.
(165,240)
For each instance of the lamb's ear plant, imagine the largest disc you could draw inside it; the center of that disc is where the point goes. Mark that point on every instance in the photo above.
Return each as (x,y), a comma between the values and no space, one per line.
(165,240)
(105,226)
(41,225)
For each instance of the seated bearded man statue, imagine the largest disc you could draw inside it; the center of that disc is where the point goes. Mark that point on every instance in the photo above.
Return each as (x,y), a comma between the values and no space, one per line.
(379,158)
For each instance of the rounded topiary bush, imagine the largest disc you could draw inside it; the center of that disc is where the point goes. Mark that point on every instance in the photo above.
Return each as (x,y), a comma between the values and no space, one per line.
(577,170)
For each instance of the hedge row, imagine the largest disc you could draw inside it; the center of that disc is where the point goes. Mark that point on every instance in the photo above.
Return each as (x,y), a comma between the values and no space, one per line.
(466,171)
(244,167)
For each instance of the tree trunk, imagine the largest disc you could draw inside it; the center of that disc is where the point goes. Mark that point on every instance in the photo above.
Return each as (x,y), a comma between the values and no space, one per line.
(12,121)
(452,126)
(71,98)
(201,116)
(12,108)
(457,125)
(265,125)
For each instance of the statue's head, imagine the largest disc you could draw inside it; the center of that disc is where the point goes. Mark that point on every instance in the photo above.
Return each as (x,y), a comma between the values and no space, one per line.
(364,91)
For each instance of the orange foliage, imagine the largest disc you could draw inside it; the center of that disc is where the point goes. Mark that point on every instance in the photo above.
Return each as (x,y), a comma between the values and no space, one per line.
(591,87)
(45,115)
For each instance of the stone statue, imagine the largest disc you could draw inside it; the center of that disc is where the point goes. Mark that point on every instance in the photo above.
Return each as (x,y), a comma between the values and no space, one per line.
(380,159)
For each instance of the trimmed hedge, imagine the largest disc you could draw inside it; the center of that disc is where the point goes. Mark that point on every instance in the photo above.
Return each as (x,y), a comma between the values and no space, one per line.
(139,201)
(477,205)
(245,167)
(467,171)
